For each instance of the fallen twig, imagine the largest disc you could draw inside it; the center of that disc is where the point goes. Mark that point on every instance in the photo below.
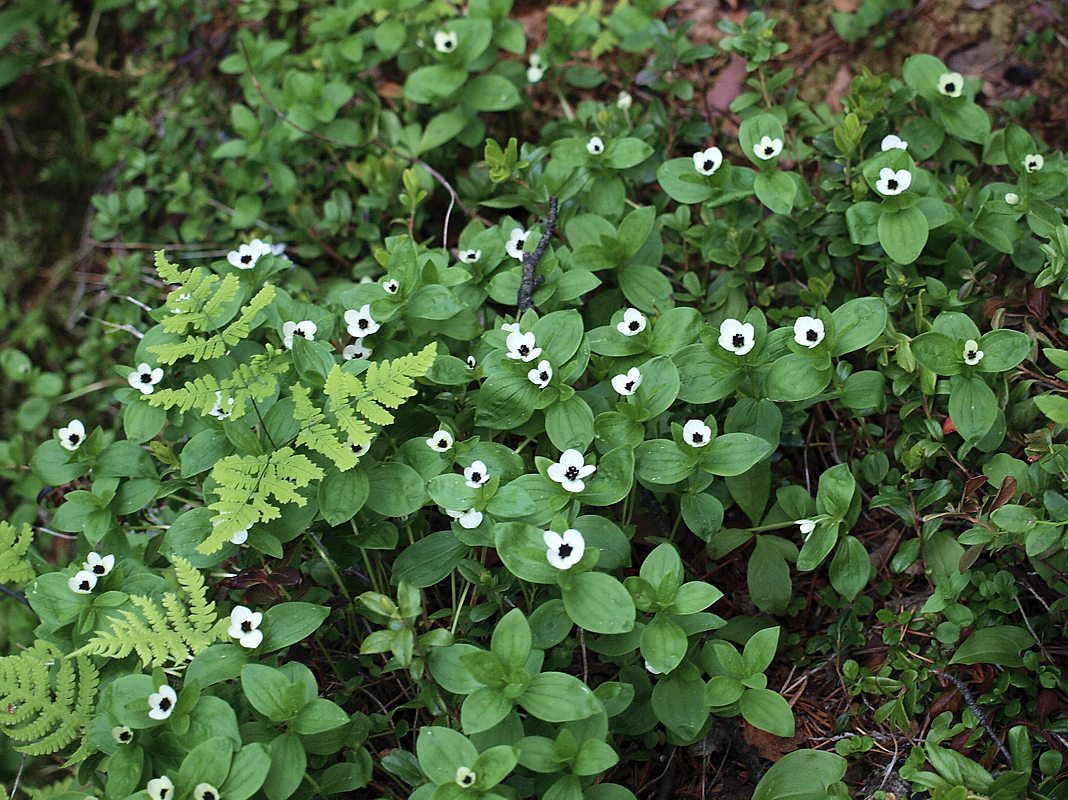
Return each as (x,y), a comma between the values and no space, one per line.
(528,283)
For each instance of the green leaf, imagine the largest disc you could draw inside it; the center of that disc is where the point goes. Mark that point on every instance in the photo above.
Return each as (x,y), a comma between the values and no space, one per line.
(903,233)
(661,461)
(972,406)
(269,692)
(342,494)
(678,702)
(851,568)
(801,775)
(512,639)
(626,153)
(557,697)
(795,377)
(569,424)
(395,489)
(441,751)
(683,183)
(289,623)
(1001,644)
(248,771)
(858,323)
(939,353)
(767,710)
(663,643)
(1003,349)
(734,453)
(760,650)
(776,190)
(491,93)
(597,602)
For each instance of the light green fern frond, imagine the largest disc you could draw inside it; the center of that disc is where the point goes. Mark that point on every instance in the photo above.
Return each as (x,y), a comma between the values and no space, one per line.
(46,699)
(252,381)
(14,544)
(317,434)
(200,299)
(200,348)
(162,632)
(390,383)
(250,489)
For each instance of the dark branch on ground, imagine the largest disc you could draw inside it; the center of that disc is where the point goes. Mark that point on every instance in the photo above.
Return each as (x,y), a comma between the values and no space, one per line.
(529,282)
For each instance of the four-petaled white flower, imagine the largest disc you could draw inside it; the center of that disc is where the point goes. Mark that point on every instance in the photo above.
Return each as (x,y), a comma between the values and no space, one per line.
(951,84)
(1012,198)
(477,474)
(1033,162)
(244,626)
(627,383)
(445,41)
(808,331)
(469,519)
(708,161)
(767,148)
(205,791)
(564,551)
(469,256)
(122,734)
(633,323)
(71,437)
(570,470)
(356,350)
(891,182)
(522,346)
(624,101)
(83,582)
(161,703)
(440,441)
(144,378)
(510,327)
(737,337)
(470,361)
(356,448)
(360,322)
(696,434)
(535,68)
(517,240)
(160,788)
(241,536)
(305,328)
(972,354)
(893,142)
(541,374)
(99,565)
(391,286)
(806,526)
(246,255)
(465,777)
(595,146)
(217,409)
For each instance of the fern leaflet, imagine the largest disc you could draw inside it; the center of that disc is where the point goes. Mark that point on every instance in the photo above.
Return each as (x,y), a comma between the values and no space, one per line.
(199,348)
(250,382)
(47,698)
(250,487)
(201,299)
(14,544)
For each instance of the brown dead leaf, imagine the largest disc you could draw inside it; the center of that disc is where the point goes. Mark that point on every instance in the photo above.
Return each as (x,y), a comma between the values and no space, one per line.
(839,87)
(768,745)
(727,86)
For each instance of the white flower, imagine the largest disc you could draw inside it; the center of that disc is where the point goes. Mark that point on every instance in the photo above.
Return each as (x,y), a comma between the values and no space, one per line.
(972,354)
(305,328)
(806,526)
(595,146)
(391,286)
(161,703)
(440,441)
(445,41)
(205,791)
(767,148)
(570,470)
(893,142)
(356,350)
(356,448)
(696,434)
(517,239)
(99,565)
(160,788)
(217,407)
(738,337)
(564,551)
(951,84)
(244,626)
(144,378)
(651,669)
(633,322)
(1012,198)
(1033,162)
(535,68)
(122,734)
(891,183)
(624,101)
(808,331)
(522,346)
(708,161)
(469,256)
(246,255)
(360,322)
(465,777)
(470,361)
(541,374)
(510,327)
(477,474)
(627,383)
(469,519)
(83,582)
(71,437)
(278,248)
(241,536)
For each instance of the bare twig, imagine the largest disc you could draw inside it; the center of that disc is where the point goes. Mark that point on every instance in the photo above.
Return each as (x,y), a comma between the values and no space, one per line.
(969,698)
(16,595)
(529,282)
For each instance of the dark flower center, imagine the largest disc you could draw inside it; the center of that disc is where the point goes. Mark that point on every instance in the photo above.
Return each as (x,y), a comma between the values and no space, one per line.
(73,438)
(84,586)
(467,780)
(361,324)
(246,627)
(543,375)
(145,377)
(697,437)
(709,165)
(738,340)
(524,350)
(443,443)
(357,448)
(163,792)
(633,325)
(571,473)
(970,354)
(246,258)
(565,550)
(125,736)
(208,796)
(98,569)
(811,335)
(476,477)
(768,150)
(300,332)
(164,704)
(951,87)
(628,385)
(1032,164)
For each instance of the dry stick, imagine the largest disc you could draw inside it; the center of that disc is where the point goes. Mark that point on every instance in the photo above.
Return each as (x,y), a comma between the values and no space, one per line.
(979,715)
(529,283)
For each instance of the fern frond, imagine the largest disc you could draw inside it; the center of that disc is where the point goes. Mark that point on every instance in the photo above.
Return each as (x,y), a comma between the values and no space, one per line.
(317,434)
(162,632)
(250,489)
(200,348)
(14,544)
(252,381)
(199,300)
(48,699)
